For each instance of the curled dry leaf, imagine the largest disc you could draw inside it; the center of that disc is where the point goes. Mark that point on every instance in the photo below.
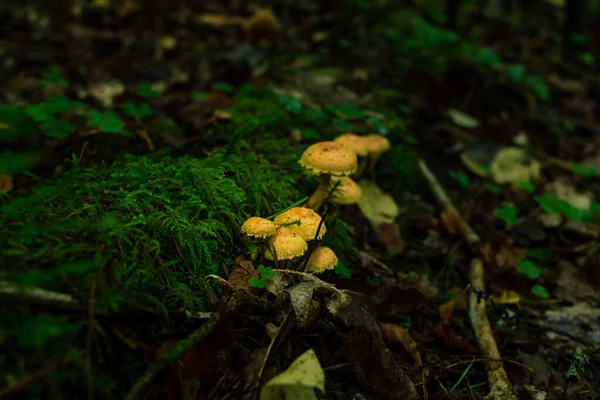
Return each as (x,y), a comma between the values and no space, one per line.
(381,210)
(396,333)
(568,193)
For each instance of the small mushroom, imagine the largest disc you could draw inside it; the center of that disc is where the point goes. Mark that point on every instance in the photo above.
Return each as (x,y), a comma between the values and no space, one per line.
(302,221)
(358,144)
(259,227)
(321,260)
(326,159)
(376,145)
(345,191)
(286,245)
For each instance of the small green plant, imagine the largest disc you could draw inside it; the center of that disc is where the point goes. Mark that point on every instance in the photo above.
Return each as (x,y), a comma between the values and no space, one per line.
(107,122)
(508,214)
(223,87)
(540,291)
(528,268)
(587,171)
(578,363)
(146,91)
(342,270)
(136,111)
(462,178)
(265,274)
(54,77)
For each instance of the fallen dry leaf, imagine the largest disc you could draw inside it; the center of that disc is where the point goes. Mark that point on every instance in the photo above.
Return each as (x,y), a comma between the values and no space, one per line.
(381,210)
(298,381)
(566,192)
(507,297)
(450,220)
(445,332)
(513,165)
(241,272)
(6,183)
(396,333)
(365,349)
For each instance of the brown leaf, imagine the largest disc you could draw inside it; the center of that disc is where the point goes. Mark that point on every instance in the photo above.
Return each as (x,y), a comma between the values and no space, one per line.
(450,221)
(389,236)
(444,330)
(395,333)
(6,183)
(373,363)
(241,272)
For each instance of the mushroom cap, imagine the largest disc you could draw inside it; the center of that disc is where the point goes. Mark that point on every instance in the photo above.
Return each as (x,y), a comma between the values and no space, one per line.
(321,259)
(356,143)
(346,192)
(259,227)
(329,158)
(308,222)
(287,245)
(377,144)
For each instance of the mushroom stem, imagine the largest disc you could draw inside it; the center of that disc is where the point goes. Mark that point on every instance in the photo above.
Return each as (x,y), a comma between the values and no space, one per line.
(362,164)
(318,197)
(372,160)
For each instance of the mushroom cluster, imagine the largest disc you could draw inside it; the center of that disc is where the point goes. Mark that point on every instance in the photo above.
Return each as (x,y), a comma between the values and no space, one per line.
(334,163)
(287,237)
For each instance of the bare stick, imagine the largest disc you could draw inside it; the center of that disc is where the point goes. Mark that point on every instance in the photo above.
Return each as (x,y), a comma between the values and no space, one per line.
(500,387)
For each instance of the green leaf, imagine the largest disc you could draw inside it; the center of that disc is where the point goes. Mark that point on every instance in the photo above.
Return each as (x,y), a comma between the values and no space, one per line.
(587,171)
(493,188)
(508,214)
(527,186)
(223,87)
(341,270)
(133,110)
(540,291)
(267,273)
(461,178)
(54,77)
(515,73)
(145,90)
(291,103)
(15,124)
(12,162)
(310,133)
(343,125)
(58,129)
(200,96)
(351,111)
(256,282)
(528,268)
(542,253)
(107,122)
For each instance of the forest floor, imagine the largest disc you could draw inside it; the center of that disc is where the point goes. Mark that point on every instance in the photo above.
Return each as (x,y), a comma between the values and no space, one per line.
(135,140)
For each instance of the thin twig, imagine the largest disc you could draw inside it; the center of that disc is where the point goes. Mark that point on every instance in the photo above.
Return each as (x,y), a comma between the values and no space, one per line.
(314,279)
(273,339)
(500,386)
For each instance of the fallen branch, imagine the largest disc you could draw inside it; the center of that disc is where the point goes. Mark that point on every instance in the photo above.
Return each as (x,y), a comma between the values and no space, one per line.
(64,302)
(170,357)
(500,386)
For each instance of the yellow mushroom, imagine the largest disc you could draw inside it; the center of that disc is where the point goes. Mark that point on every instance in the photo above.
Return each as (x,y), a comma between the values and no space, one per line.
(321,259)
(326,159)
(286,245)
(303,221)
